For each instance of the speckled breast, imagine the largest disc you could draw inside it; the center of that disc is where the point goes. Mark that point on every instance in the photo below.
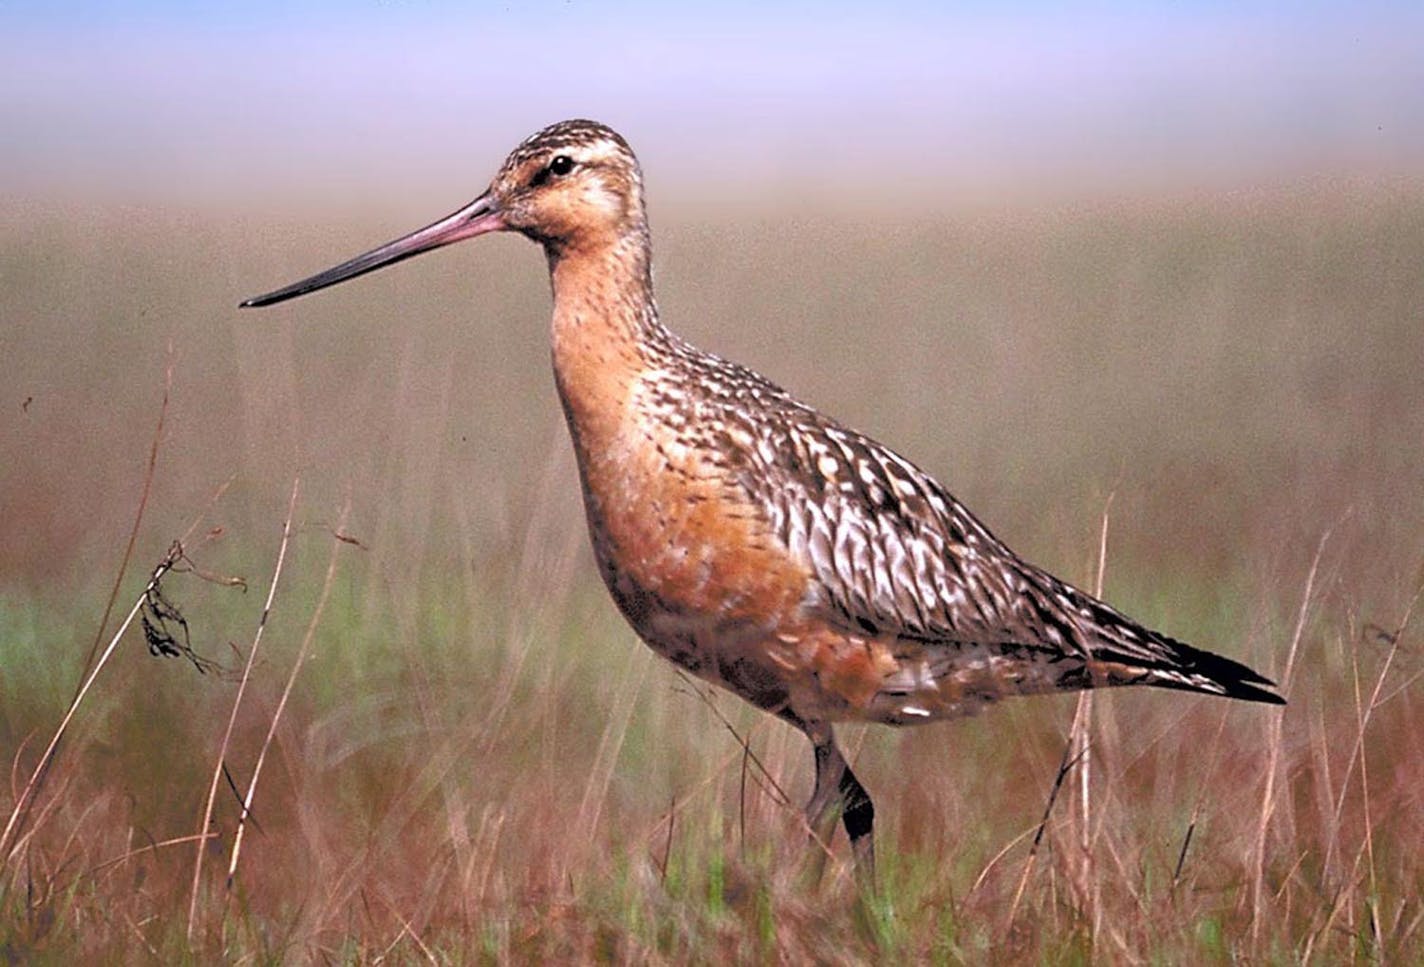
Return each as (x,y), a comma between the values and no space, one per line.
(688,559)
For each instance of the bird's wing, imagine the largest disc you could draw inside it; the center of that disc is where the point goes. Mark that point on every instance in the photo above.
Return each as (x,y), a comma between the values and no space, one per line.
(895,555)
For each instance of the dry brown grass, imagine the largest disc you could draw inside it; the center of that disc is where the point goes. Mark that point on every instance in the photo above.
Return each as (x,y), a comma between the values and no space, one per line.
(476,760)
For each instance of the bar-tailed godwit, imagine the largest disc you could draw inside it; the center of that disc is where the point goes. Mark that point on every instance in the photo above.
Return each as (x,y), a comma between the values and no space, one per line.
(759,543)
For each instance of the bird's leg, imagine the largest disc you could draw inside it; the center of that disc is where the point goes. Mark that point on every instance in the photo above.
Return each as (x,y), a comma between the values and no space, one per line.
(839,793)
(858,816)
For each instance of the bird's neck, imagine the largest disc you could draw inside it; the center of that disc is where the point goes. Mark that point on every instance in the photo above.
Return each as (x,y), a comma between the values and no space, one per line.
(606,331)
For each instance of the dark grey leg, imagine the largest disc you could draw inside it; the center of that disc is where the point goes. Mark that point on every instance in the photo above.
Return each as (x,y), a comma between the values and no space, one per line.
(838,793)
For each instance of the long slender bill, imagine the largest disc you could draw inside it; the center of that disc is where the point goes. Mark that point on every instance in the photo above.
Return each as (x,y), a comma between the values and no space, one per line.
(476,218)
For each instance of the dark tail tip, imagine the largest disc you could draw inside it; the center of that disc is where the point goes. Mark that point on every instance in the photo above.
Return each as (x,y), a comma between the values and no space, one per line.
(1235,679)
(1253,693)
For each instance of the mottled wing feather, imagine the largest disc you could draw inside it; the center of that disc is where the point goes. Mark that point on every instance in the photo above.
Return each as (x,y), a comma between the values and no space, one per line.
(896,556)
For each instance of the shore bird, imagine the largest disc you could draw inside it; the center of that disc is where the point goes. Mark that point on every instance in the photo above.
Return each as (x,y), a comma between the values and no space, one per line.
(758,543)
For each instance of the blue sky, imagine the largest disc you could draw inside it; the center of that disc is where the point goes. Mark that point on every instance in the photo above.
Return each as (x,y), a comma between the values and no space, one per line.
(216,104)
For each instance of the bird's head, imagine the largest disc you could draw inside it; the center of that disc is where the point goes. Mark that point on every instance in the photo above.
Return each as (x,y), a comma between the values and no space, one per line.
(574,185)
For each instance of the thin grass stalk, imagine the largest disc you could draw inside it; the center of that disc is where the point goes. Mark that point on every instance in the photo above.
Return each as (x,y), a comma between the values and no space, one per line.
(302,653)
(1078,752)
(1367,848)
(610,745)
(148,476)
(1064,767)
(16,820)
(1357,751)
(22,804)
(127,855)
(1082,734)
(237,705)
(1268,793)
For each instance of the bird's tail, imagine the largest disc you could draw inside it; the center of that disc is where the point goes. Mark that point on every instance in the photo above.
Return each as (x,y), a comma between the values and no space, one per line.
(1195,670)
(1124,652)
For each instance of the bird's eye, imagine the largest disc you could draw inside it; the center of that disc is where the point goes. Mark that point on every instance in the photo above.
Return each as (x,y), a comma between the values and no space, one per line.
(561,165)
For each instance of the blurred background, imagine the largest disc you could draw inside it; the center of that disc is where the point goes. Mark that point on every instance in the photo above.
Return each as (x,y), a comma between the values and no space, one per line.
(882,209)
(1163,258)
(266,106)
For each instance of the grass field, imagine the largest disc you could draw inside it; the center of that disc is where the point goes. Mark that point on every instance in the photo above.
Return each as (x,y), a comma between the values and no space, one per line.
(479,762)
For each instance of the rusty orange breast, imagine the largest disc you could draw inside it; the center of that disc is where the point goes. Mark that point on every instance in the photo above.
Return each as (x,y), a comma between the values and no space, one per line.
(668,522)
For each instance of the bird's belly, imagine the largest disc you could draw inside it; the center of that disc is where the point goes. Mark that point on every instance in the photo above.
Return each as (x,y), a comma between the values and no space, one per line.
(701,585)
(817,672)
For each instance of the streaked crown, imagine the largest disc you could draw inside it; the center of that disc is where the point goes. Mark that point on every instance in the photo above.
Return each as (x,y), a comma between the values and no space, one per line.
(571,183)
